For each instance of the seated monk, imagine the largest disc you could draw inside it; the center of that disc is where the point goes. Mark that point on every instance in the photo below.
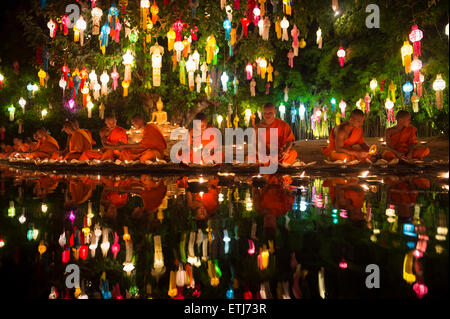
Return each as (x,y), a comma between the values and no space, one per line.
(286,155)
(19,147)
(346,194)
(110,134)
(6,150)
(151,146)
(80,141)
(401,140)
(45,147)
(343,137)
(189,157)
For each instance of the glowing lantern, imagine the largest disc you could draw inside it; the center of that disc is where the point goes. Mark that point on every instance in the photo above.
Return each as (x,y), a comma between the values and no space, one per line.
(105,242)
(415,103)
(247,116)
(190,68)
(407,51)
(373,85)
(44,113)
(156,51)
(96,16)
(145,5)
(65,21)
(154,11)
(171,35)
(319,38)
(127,61)
(89,106)
(115,78)
(11,110)
(416,66)
(227,27)
(210,48)
(408,274)
(341,56)
(389,105)
(81,26)
(284,26)
(52,26)
(446,29)
(263,67)
(104,79)
(301,111)
(85,91)
(125,85)
(178,46)
(439,86)
(84,252)
(407,88)
(342,107)
(282,110)
(172,285)
(249,70)
(415,36)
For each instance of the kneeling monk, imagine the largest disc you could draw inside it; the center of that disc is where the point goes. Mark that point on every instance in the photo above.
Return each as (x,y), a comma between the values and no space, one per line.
(343,137)
(45,147)
(151,146)
(401,140)
(285,136)
(80,141)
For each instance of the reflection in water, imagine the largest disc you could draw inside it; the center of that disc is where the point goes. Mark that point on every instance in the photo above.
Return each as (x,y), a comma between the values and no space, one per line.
(222,236)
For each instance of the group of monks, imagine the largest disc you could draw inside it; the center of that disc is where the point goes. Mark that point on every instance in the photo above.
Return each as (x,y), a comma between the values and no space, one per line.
(345,143)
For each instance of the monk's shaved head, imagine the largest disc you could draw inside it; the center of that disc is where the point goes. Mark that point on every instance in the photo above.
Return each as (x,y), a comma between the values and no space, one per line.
(269,105)
(110,116)
(357,113)
(138,121)
(402,114)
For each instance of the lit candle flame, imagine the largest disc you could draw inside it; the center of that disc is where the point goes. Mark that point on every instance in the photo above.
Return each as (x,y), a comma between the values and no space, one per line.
(364,174)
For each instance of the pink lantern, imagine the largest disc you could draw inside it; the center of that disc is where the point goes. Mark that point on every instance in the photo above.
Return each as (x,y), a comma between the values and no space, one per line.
(249,69)
(115,77)
(341,56)
(367,101)
(65,20)
(343,264)
(342,106)
(178,27)
(415,36)
(66,256)
(115,247)
(251,247)
(416,66)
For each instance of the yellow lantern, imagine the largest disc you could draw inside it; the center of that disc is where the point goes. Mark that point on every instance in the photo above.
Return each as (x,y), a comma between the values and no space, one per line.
(408,274)
(263,66)
(145,5)
(406,51)
(125,85)
(154,10)
(287,7)
(173,284)
(171,39)
(42,248)
(210,48)
(42,74)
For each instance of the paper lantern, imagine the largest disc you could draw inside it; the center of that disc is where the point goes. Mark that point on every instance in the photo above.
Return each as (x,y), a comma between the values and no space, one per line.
(89,106)
(44,113)
(171,35)
(373,85)
(407,89)
(104,79)
(333,103)
(389,105)
(301,111)
(22,103)
(210,48)
(249,70)
(282,110)
(145,5)
(81,26)
(190,68)
(415,103)
(104,34)
(178,46)
(154,11)
(256,14)
(65,21)
(85,92)
(42,74)
(407,51)
(52,27)
(341,56)
(263,66)
(11,110)
(284,24)
(342,107)
(178,27)
(125,85)
(391,91)
(287,7)
(319,38)
(439,86)
(245,22)
(367,101)
(127,61)
(115,77)
(224,79)
(96,17)
(227,26)
(266,28)
(415,36)
(416,66)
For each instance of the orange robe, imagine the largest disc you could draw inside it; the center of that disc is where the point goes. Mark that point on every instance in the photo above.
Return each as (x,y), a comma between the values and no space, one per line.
(45,149)
(210,199)
(79,142)
(80,190)
(275,199)
(189,157)
(355,138)
(400,142)
(152,198)
(7,151)
(285,135)
(118,134)
(152,146)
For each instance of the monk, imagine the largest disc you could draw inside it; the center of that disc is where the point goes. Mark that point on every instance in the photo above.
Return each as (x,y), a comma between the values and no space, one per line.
(344,137)
(151,146)
(286,155)
(45,147)
(401,140)
(189,157)
(80,142)
(19,147)
(110,135)
(6,150)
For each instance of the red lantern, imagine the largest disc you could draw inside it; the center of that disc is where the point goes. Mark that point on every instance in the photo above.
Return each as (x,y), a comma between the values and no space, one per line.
(248,294)
(178,27)
(245,22)
(367,101)
(66,256)
(416,66)
(66,71)
(415,36)
(115,247)
(341,56)
(84,251)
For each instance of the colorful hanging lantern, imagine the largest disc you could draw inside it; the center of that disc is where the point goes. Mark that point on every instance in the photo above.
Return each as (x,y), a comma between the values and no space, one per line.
(407,51)
(439,86)
(416,66)
(284,24)
(282,110)
(263,67)
(224,79)
(342,107)
(341,56)
(145,5)
(11,110)
(178,27)
(96,17)
(104,79)
(391,91)
(115,77)
(249,70)
(156,51)
(125,85)
(178,46)
(52,27)
(85,92)
(227,27)
(333,103)
(367,101)
(104,34)
(190,68)
(42,74)
(415,36)
(81,26)
(373,85)
(65,21)
(415,103)
(210,48)
(287,7)
(245,22)
(407,89)
(389,105)
(319,38)
(127,61)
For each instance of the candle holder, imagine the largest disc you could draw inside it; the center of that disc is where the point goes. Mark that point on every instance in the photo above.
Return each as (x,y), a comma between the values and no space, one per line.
(197,185)
(259,181)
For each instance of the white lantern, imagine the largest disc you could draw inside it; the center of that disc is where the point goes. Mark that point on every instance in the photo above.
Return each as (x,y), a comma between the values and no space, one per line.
(301,112)
(282,110)
(219,120)
(104,78)
(96,16)
(93,79)
(196,59)
(44,113)
(439,86)
(247,116)
(178,46)
(284,25)
(22,103)
(89,106)
(373,84)
(81,25)
(389,105)
(190,68)
(224,79)
(342,106)
(127,61)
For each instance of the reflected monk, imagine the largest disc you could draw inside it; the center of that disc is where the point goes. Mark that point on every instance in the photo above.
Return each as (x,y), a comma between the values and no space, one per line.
(80,190)
(80,141)
(205,204)
(401,140)
(45,147)
(344,137)
(189,157)
(110,135)
(286,155)
(151,146)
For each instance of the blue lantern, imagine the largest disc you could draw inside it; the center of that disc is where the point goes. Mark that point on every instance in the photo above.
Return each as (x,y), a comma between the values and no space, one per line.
(227,27)
(407,88)
(333,103)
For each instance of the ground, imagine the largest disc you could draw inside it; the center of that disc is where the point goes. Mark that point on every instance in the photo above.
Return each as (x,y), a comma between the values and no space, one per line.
(310,150)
